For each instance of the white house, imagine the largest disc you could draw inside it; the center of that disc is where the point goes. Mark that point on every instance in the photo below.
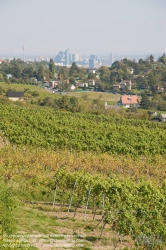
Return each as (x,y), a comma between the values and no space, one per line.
(9,76)
(162,117)
(128,101)
(72,87)
(92,71)
(126,83)
(91,82)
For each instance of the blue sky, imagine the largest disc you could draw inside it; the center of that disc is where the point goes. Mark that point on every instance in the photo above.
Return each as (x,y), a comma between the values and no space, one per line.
(89,26)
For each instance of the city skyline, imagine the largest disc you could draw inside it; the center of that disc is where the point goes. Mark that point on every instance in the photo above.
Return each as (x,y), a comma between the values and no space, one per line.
(88,27)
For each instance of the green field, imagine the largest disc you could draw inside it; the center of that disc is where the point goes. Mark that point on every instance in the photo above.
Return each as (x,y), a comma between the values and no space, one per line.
(103,96)
(90,181)
(44,127)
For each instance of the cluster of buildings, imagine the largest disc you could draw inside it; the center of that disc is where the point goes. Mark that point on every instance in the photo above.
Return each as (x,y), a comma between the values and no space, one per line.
(123,84)
(65,58)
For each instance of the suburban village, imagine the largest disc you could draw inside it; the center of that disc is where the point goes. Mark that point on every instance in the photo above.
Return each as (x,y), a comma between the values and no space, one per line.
(134,84)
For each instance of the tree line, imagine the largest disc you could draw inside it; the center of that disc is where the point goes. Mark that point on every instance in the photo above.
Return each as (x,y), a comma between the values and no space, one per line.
(148,77)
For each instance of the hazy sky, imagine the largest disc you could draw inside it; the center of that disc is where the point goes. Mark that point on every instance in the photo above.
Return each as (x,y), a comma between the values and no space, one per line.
(85,26)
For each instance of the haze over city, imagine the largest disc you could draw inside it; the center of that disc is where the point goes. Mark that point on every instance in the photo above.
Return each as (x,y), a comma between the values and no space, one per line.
(86,27)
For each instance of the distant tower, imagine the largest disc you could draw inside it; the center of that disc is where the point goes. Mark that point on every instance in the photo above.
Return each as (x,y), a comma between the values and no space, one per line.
(23,48)
(110,59)
(92,61)
(67,57)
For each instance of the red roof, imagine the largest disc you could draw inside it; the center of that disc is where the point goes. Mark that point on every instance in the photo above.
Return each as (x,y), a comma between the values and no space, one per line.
(129,99)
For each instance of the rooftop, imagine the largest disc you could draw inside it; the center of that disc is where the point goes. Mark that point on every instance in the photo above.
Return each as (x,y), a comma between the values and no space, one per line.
(15,94)
(129,99)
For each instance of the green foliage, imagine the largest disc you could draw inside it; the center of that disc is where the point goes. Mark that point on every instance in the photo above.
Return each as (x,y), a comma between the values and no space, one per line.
(7,204)
(54,129)
(134,209)
(40,73)
(145,102)
(52,68)
(35,93)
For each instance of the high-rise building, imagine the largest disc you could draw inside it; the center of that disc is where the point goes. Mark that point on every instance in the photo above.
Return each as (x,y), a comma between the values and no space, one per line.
(76,57)
(92,61)
(63,58)
(110,59)
(67,57)
(60,58)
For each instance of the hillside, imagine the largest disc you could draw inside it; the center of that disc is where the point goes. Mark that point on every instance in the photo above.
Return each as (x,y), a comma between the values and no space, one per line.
(92,177)
(84,132)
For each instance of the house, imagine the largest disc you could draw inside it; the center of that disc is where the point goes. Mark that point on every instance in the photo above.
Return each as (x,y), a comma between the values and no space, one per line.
(66,81)
(9,76)
(127,101)
(82,85)
(126,83)
(15,96)
(72,87)
(53,84)
(162,117)
(92,71)
(159,88)
(91,82)
(115,86)
(98,75)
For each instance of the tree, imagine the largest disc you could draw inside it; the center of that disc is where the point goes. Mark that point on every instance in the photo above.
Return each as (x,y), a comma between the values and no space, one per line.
(64,102)
(52,68)
(72,80)
(105,74)
(101,86)
(16,70)
(162,59)
(142,83)
(73,100)
(63,86)
(145,102)
(91,75)
(64,73)
(151,58)
(35,93)
(74,70)
(1,77)
(116,64)
(40,73)
(48,101)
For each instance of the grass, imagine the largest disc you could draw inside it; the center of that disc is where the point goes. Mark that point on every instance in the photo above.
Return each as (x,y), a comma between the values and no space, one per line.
(21,87)
(34,220)
(103,96)
(36,227)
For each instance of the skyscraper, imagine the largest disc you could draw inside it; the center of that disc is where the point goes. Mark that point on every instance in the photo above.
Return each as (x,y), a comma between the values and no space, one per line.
(60,58)
(67,57)
(110,59)
(76,57)
(63,57)
(92,61)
